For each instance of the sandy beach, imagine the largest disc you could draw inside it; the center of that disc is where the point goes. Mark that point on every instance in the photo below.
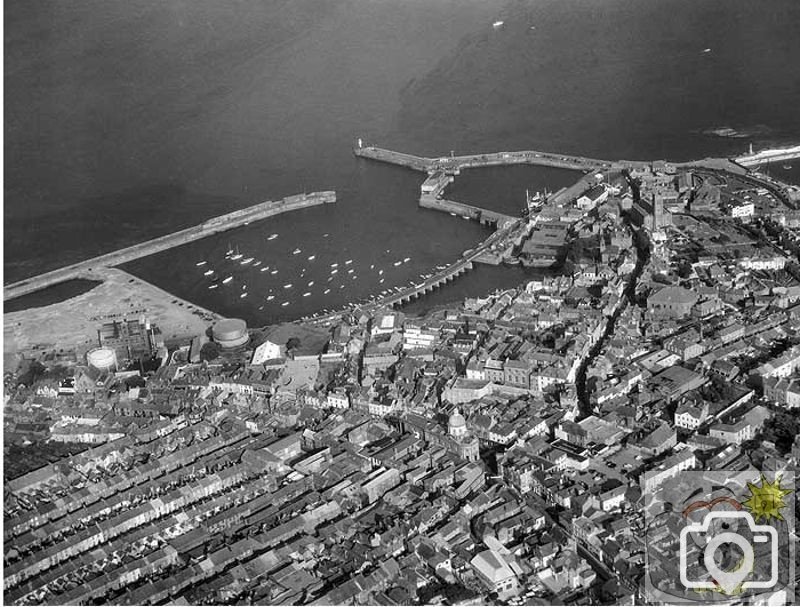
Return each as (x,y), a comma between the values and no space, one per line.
(73,324)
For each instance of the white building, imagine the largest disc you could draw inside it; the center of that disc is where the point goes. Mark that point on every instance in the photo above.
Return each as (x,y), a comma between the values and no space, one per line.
(385,324)
(493,570)
(680,461)
(690,417)
(592,197)
(742,209)
(338,399)
(266,351)
(415,337)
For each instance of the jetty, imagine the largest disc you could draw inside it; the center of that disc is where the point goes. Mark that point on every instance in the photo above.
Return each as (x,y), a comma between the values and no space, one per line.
(485,216)
(407,294)
(88,268)
(454,164)
(766,156)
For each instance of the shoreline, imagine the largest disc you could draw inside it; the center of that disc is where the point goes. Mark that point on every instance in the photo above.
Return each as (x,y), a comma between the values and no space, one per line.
(90,268)
(71,325)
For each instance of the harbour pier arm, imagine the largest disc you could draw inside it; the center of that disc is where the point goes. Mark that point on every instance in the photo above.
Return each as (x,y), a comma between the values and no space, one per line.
(485,216)
(765,156)
(143,249)
(453,164)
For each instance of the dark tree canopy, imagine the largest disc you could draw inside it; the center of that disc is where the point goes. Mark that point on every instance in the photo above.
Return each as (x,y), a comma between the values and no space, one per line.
(209,351)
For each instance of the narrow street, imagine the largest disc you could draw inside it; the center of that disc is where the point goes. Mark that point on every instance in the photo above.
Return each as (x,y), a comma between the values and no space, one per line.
(642,244)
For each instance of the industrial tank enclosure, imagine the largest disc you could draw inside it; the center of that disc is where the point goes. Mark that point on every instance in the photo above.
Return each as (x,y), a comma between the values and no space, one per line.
(230,333)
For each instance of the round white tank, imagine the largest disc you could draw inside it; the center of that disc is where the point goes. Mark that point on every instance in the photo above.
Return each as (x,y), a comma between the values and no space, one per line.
(102,359)
(230,332)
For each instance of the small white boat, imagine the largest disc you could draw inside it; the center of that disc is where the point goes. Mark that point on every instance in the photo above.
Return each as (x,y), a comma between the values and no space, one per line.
(272,237)
(334,265)
(246,261)
(256,264)
(706,50)
(296,252)
(380,282)
(311,284)
(270,297)
(452,214)
(312,257)
(326,291)
(285,303)
(498,24)
(243,295)
(236,255)
(265,269)
(334,271)
(406,260)
(214,286)
(350,271)
(380,273)
(201,263)
(341,287)
(208,272)
(325,235)
(397,263)
(355,276)
(229,251)
(244,287)
(288,285)
(348,262)
(330,278)
(306,294)
(260,307)
(227,280)
(372,266)
(274,272)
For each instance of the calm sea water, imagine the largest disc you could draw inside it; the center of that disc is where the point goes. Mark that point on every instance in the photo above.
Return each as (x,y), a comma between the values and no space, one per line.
(129,120)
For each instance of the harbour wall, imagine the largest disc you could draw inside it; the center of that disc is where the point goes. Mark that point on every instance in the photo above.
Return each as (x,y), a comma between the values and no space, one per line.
(85,269)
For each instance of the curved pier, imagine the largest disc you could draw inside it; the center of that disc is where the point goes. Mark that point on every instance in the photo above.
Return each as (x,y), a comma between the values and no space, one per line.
(453,164)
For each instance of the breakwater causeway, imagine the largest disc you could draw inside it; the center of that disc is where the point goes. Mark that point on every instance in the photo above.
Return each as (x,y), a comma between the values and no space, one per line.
(221,223)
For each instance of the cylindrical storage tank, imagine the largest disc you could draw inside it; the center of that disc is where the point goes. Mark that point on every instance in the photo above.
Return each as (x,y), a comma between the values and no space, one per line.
(230,332)
(102,359)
